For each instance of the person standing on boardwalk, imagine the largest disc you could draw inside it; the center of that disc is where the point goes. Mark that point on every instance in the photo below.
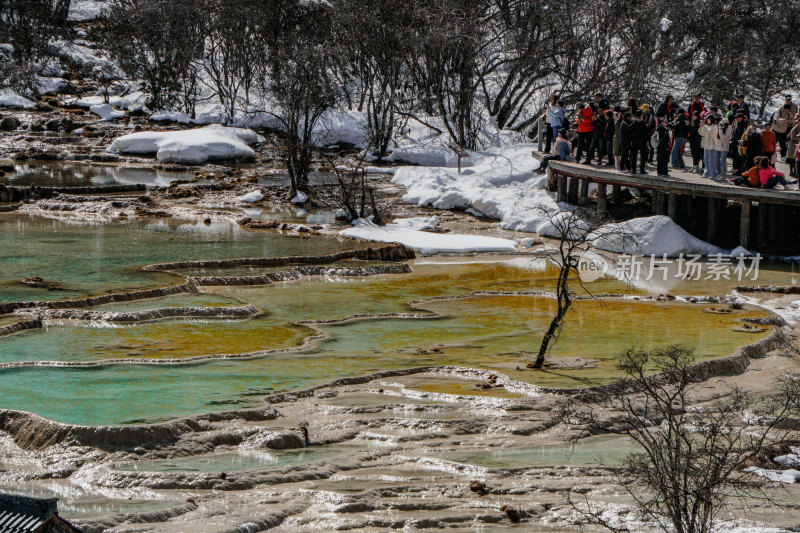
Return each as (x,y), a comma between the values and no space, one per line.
(667,108)
(708,131)
(651,123)
(794,143)
(739,128)
(782,122)
(557,119)
(695,141)
(751,146)
(662,150)
(640,139)
(598,139)
(770,142)
(680,130)
(585,121)
(696,105)
(787,100)
(744,106)
(618,120)
(723,144)
(628,122)
(611,128)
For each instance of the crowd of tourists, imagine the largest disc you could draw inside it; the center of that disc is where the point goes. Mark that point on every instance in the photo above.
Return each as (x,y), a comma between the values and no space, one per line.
(628,137)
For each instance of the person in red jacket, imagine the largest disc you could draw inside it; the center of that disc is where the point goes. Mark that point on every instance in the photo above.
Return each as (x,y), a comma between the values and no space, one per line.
(696,105)
(585,123)
(769,140)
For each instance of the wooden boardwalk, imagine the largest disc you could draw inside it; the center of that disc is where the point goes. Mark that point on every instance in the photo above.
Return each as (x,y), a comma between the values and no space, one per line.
(768,219)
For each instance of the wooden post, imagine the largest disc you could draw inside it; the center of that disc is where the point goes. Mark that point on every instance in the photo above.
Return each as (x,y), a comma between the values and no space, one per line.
(763,225)
(744,225)
(712,230)
(572,195)
(561,195)
(602,207)
(672,206)
(583,196)
(616,194)
(460,152)
(774,223)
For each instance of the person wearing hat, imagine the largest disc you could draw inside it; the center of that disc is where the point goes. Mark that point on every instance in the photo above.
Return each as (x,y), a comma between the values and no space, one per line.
(561,150)
(722,145)
(782,122)
(787,99)
(752,146)
(696,105)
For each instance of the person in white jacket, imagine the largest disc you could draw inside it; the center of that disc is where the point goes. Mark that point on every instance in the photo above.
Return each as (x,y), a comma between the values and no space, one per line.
(708,133)
(722,145)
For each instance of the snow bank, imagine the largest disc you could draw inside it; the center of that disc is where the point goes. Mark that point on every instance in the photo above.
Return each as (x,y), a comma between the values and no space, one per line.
(428,243)
(652,235)
(781,476)
(50,85)
(191,146)
(9,98)
(340,127)
(501,185)
(171,116)
(132,102)
(429,156)
(106,112)
(417,223)
(300,198)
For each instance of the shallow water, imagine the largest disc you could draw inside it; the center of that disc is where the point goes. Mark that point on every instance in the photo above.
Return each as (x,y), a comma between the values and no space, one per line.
(83,258)
(591,451)
(235,461)
(68,174)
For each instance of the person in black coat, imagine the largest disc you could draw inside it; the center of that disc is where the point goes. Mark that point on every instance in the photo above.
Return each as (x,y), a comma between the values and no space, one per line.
(598,140)
(667,108)
(609,138)
(662,150)
(695,141)
(753,146)
(626,130)
(640,140)
(740,124)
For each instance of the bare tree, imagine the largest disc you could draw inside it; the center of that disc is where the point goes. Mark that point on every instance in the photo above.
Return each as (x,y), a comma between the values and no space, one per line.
(154,40)
(692,455)
(574,232)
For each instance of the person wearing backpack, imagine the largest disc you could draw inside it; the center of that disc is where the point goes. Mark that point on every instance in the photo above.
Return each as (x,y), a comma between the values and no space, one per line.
(626,140)
(782,123)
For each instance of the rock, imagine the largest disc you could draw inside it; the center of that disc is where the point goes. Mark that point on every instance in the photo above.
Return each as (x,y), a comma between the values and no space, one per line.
(512,513)
(479,487)
(9,123)
(37,126)
(53,124)
(7,165)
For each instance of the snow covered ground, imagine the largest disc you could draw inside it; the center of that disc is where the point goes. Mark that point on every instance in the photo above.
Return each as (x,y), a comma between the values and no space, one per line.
(191,147)
(427,243)
(9,98)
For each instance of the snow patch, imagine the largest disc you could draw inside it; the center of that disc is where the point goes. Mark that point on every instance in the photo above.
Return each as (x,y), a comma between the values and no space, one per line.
(417,223)
(252,197)
(106,112)
(190,146)
(9,98)
(300,198)
(654,235)
(780,476)
(427,243)
(171,116)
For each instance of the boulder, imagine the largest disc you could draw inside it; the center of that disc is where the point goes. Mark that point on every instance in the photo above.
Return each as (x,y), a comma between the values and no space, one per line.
(9,123)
